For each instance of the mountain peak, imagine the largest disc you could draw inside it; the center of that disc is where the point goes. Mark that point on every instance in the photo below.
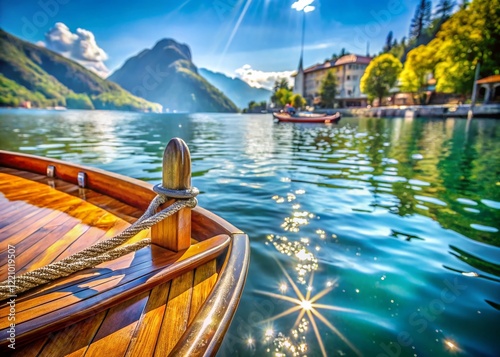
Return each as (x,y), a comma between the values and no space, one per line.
(166,74)
(167,45)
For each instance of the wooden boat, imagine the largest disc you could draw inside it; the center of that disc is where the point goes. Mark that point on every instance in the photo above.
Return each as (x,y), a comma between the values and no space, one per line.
(307,118)
(175,296)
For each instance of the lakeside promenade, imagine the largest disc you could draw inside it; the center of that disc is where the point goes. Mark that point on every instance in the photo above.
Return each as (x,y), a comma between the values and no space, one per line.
(428,111)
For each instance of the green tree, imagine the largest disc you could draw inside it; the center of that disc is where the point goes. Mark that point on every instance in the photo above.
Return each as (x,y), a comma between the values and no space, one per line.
(464,4)
(443,12)
(388,42)
(399,49)
(469,37)
(328,89)
(281,83)
(444,9)
(342,53)
(282,92)
(418,66)
(255,107)
(380,76)
(282,96)
(298,101)
(421,20)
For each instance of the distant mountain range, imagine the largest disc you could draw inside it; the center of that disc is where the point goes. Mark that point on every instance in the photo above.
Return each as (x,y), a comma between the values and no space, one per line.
(162,76)
(29,73)
(239,91)
(166,74)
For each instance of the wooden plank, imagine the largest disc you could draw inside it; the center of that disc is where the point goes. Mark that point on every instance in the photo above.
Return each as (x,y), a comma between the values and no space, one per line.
(176,316)
(146,335)
(28,249)
(206,332)
(91,300)
(11,223)
(117,329)
(205,223)
(73,340)
(58,235)
(120,209)
(205,226)
(106,226)
(8,207)
(205,278)
(30,175)
(77,286)
(80,210)
(21,188)
(31,350)
(17,232)
(131,191)
(55,250)
(125,269)
(13,211)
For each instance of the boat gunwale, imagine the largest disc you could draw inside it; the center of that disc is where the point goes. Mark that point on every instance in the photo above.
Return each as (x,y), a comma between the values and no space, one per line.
(312,118)
(138,194)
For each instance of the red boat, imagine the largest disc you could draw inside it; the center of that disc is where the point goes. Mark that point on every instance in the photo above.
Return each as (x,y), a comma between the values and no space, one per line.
(307,118)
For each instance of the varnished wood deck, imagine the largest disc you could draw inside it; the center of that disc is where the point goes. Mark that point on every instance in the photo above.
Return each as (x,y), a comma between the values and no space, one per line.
(139,305)
(154,302)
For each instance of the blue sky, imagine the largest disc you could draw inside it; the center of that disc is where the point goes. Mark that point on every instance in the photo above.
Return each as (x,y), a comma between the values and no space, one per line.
(224,35)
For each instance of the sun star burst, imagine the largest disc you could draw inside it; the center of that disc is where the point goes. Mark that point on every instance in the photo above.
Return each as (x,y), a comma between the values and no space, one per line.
(307,306)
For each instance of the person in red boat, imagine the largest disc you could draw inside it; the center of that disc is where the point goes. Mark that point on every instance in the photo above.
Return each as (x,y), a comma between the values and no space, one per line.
(289,109)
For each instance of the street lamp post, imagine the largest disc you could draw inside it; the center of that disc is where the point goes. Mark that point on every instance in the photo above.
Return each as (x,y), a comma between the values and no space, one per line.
(303,6)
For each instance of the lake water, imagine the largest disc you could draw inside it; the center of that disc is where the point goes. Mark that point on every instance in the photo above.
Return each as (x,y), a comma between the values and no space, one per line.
(375,237)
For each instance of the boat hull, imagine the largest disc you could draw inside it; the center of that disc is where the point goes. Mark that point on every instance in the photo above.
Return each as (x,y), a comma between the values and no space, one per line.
(312,118)
(153,301)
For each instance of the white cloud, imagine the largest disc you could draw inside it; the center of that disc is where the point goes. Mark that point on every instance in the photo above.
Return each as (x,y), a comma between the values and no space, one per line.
(261,79)
(80,47)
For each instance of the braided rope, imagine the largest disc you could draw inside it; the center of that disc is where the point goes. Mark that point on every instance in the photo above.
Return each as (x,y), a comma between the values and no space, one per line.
(98,253)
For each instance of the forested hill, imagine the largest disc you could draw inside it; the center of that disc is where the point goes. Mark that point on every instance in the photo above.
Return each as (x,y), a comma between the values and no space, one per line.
(166,74)
(448,44)
(46,79)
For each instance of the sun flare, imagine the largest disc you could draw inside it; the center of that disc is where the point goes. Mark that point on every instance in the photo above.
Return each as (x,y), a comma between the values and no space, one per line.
(305,306)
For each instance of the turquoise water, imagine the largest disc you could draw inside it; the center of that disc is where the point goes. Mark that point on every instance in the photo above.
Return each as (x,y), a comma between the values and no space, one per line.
(375,237)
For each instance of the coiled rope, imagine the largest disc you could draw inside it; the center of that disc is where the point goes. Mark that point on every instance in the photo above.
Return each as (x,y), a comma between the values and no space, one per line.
(102,251)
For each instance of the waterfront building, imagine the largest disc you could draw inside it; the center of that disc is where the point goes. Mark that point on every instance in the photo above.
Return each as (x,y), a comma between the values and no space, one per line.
(348,69)
(489,89)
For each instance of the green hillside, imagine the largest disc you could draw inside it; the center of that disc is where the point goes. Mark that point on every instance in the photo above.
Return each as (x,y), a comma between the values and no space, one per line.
(166,74)
(45,78)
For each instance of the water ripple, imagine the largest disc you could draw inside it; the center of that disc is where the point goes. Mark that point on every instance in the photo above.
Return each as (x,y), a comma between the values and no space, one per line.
(393,222)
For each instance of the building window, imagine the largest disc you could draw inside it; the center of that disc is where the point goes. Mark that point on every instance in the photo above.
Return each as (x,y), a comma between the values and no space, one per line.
(349,92)
(348,78)
(355,78)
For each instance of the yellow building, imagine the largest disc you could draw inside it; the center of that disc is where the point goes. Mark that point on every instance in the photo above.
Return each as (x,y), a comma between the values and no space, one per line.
(348,69)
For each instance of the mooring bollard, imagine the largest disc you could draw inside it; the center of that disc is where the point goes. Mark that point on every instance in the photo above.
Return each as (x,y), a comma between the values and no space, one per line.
(174,232)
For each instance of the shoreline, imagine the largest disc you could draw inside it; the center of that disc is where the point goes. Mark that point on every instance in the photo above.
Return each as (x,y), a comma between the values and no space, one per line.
(427,111)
